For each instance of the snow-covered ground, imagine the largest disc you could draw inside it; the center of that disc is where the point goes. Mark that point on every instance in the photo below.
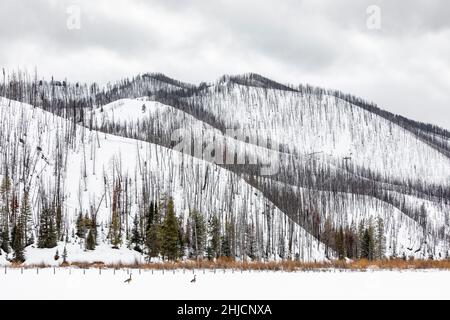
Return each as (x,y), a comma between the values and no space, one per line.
(65,283)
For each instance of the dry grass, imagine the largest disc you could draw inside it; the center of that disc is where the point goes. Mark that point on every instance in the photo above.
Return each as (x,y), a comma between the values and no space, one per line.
(288,266)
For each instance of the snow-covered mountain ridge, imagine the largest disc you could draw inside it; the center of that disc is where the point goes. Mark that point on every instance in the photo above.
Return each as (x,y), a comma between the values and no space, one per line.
(344,168)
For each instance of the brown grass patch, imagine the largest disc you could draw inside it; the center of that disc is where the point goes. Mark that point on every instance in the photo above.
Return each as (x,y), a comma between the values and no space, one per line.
(287,266)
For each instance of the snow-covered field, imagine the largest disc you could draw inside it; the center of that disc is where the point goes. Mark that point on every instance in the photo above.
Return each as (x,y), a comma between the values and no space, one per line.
(65,283)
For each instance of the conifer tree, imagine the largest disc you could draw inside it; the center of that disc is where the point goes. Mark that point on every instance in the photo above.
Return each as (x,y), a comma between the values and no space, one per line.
(170,233)
(198,233)
(368,243)
(225,246)
(90,241)
(227,241)
(153,235)
(18,244)
(4,242)
(340,247)
(25,215)
(181,237)
(149,217)
(372,246)
(136,234)
(214,236)
(47,230)
(80,226)
(361,231)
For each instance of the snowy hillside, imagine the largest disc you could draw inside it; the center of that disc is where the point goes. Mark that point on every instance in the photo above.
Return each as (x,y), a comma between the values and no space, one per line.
(244,168)
(95,162)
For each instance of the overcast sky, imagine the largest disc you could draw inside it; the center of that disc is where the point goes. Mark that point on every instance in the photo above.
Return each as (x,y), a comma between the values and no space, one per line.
(403,67)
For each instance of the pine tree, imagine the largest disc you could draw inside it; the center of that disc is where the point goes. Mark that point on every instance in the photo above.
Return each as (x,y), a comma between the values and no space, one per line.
(181,237)
(25,215)
(368,246)
(80,226)
(5,238)
(47,230)
(170,233)
(153,242)
(18,244)
(365,245)
(225,246)
(150,217)
(198,233)
(372,246)
(136,234)
(214,236)
(153,235)
(90,241)
(350,241)
(340,247)
(361,231)
(58,217)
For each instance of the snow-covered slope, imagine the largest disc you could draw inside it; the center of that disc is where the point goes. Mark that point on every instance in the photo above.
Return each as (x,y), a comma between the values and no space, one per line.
(331,160)
(404,235)
(93,162)
(307,124)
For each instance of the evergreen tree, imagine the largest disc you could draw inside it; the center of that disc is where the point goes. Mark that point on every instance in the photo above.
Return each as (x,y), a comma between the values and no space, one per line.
(153,235)
(350,241)
(214,236)
(18,244)
(368,243)
(58,218)
(90,241)
(136,234)
(225,246)
(153,241)
(198,233)
(361,231)
(5,238)
(181,237)
(170,233)
(340,247)
(372,245)
(80,226)
(47,230)
(25,215)
(150,217)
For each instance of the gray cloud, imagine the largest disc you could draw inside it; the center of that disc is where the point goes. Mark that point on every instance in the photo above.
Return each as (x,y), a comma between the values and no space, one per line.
(403,67)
